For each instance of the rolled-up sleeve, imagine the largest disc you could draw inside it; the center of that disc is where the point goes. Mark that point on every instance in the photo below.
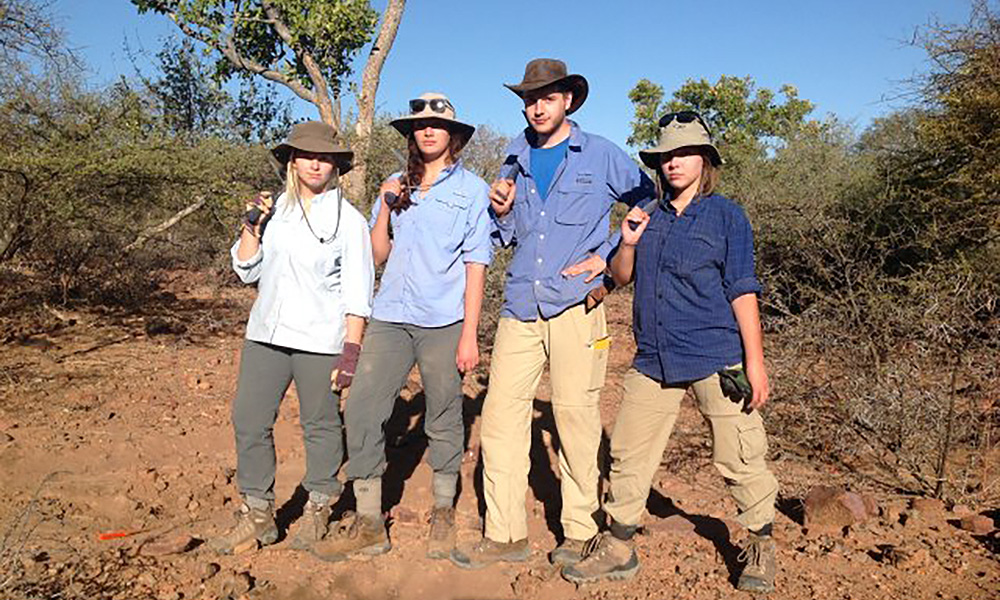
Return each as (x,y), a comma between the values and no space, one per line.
(357,271)
(477,247)
(739,277)
(247,270)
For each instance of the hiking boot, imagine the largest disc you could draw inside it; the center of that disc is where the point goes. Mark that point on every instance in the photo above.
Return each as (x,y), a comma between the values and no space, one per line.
(486,552)
(605,557)
(758,554)
(569,552)
(312,526)
(254,527)
(354,534)
(442,537)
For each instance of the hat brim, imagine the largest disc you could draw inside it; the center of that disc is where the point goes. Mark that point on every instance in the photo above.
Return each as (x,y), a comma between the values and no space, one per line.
(576,83)
(651,157)
(404,125)
(343,157)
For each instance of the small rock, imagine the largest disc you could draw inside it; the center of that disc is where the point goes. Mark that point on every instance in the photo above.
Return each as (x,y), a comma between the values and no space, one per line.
(928,507)
(146,579)
(977,524)
(674,524)
(177,544)
(828,508)
(5,438)
(193,506)
(961,510)
(242,583)
(404,515)
(207,570)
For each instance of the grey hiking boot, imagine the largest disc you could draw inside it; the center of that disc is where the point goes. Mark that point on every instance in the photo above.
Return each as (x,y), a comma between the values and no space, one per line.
(569,552)
(255,527)
(486,552)
(758,554)
(312,526)
(604,558)
(354,534)
(442,536)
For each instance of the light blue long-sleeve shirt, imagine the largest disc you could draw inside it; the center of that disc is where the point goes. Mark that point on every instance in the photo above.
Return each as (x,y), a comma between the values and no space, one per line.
(306,287)
(445,228)
(570,225)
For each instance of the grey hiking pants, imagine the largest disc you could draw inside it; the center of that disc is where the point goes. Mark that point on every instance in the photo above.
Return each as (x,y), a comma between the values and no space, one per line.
(265,372)
(390,351)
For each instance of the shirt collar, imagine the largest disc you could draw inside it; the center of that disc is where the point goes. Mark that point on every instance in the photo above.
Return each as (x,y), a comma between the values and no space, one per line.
(520,147)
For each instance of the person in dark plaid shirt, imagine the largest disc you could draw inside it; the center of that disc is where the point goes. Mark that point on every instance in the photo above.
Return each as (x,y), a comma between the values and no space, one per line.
(696,325)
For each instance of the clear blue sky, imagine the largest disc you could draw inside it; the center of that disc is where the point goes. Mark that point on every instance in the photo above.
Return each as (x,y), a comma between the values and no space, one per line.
(847,56)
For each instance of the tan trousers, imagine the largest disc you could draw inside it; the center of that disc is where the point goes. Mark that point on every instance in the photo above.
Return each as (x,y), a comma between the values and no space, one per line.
(642,428)
(576,345)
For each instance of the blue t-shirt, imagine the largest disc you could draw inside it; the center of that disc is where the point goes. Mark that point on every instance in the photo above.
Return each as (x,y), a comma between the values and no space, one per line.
(544,162)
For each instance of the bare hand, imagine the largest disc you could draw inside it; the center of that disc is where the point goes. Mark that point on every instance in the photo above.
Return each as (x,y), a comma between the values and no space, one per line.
(633,225)
(757,376)
(594,265)
(502,196)
(390,186)
(467,356)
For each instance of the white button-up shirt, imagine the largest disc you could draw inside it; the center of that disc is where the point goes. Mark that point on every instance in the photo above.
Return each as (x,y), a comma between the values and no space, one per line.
(306,287)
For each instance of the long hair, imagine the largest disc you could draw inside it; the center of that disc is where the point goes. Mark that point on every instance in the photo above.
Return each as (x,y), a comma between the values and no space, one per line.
(415,166)
(709,178)
(293,185)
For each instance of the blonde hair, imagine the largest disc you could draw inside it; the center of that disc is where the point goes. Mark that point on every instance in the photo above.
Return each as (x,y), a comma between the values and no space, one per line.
(293,186)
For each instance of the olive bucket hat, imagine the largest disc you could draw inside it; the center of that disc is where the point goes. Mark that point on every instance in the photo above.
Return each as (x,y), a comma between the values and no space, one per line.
(543,72)
(436,106)
(314,136)
(680,130)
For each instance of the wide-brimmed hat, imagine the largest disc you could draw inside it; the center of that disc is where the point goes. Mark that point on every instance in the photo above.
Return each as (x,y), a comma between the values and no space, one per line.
(314,136)
(543,72)
(677,134)
(436,106)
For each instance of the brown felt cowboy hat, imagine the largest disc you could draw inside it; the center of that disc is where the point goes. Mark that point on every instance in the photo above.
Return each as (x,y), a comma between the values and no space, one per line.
(436,106)
(680,131)
(314,136)
(543,72)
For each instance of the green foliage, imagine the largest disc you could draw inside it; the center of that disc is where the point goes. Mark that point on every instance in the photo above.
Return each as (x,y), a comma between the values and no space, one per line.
(276,35)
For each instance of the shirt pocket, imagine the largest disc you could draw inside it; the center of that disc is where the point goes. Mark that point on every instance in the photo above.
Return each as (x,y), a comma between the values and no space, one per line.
(443,212)
(578,203)
(330,264)
(702,255)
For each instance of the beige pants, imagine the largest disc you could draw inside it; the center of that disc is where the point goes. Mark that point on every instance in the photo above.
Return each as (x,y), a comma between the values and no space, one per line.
(642,428)
(576,346)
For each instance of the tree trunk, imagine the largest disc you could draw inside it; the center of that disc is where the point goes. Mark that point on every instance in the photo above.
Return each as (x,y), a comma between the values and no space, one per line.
(366,96)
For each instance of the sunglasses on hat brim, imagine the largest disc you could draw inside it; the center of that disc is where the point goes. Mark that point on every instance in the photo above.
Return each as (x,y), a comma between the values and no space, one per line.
(684,116)
(438,105)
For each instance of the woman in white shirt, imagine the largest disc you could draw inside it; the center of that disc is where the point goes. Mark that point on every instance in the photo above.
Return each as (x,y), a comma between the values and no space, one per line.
(314,274)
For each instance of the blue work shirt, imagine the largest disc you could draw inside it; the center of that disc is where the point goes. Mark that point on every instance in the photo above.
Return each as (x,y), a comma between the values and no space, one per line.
(446,227)
(572,223)
(688,270)
(306,287)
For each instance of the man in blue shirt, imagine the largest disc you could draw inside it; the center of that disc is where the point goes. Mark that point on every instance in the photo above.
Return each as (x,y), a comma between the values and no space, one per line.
(553,204)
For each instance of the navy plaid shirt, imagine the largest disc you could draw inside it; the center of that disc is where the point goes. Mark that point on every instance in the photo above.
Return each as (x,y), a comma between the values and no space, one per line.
(688,270)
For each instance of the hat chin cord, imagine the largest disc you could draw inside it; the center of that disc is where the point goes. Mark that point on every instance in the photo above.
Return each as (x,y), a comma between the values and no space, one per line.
(336,230)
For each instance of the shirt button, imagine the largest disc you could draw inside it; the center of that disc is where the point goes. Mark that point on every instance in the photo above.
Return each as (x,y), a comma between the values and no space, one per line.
(539,261)
(538,282)
(533,190)
(543,213)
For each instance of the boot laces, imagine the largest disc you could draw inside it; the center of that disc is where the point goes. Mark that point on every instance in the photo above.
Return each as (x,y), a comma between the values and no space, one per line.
(594,545)
(752,553)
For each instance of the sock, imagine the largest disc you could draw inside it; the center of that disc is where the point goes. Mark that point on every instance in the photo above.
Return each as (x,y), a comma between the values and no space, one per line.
(368,493)
(445,487)
(319,498)
(257,503)
(764,531)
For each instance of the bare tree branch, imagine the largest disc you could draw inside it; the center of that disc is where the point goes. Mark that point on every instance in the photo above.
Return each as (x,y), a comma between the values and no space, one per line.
(146,234)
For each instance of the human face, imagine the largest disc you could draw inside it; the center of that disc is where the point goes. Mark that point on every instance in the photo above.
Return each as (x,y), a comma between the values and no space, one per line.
(682,169)
(432,139)
(546,110)
(314,170)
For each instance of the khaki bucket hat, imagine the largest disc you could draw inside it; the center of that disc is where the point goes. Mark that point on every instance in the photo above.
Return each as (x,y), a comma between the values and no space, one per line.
(314,136)
(433,105)
(677,134)
(543,72)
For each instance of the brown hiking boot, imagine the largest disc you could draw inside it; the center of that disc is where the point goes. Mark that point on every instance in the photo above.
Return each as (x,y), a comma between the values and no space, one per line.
(758,554)
(569,552)
(354,534)
(312,526)
(254,527)
(604,558)
(442,537)
(486,552)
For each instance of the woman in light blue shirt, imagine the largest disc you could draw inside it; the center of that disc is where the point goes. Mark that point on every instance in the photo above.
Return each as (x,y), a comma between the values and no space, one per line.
(426,313)
(314,274)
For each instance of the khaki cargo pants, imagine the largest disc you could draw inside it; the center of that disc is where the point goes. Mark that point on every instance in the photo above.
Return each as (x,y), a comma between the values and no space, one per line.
(642,428)
(575,343)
